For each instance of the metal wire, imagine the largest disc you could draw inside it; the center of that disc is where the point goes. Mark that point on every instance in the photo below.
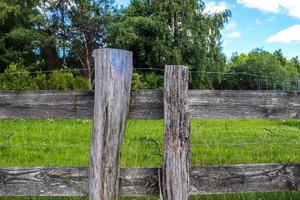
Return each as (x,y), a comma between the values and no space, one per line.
(206,145)
(226,73)
(157,69)
(45,72)
(153,69)
(41,146)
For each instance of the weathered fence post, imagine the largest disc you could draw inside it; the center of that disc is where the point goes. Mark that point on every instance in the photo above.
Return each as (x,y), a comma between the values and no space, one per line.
(177,134)
(113,70)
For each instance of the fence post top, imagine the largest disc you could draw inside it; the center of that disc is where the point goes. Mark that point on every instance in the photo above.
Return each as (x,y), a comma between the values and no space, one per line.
(111,50)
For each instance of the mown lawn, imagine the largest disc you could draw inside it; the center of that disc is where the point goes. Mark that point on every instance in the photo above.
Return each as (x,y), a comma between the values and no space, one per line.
(214,142)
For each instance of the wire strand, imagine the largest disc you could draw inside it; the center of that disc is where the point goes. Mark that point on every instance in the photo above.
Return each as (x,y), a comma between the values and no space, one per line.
(199,144)
(157,69)
(225,73)
(45,72)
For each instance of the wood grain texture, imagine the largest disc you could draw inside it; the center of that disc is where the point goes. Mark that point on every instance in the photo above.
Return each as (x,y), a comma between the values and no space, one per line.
(148,104)
(245,178)
(64,181)
(42,181)
(175,182)
(244,104)
(113,70)
(46,104)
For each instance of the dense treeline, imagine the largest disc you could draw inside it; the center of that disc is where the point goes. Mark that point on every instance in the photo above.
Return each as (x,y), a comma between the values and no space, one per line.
(261,69)
(43,35)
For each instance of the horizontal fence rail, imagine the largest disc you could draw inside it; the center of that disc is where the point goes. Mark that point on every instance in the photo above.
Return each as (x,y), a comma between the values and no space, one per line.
(148,104)
(68,181)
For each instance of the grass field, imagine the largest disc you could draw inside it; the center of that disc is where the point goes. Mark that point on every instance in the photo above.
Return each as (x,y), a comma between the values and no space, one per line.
(214,142)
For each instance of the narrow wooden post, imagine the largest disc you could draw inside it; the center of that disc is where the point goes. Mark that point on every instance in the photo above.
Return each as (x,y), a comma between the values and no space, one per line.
(177,134)
(113,70)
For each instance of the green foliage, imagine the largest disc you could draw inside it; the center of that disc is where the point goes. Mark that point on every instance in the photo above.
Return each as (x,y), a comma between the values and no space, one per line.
(161,32)
(49,35)
(61,81)
(137,83)
(40,81)
(15,78)
(18,78)
(81,83)
(154,81)
(6,10)
(18,36)
(146,81)
(261,69)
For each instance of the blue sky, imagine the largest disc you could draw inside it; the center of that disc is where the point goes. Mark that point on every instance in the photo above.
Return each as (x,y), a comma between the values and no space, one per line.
(267,24)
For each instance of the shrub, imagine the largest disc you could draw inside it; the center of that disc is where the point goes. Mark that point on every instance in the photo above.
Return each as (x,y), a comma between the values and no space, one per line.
(154,81)
(137,82)
(61,81)
(81,83)
(18,78)
(41,82)
(147,81)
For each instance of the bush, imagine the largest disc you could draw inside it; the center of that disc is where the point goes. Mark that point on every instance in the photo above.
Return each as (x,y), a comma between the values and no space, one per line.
(18,78)
(41,81)
(148,81)
(61,81)
(137,83)
(154,81)
(81,83)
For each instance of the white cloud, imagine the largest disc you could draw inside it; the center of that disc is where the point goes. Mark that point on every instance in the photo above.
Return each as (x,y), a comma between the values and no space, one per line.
(258,21)
(212,7)
(265,5)
(268,20)
(271,19)
(291,7)
(286,36)
(231,25)
(235,34)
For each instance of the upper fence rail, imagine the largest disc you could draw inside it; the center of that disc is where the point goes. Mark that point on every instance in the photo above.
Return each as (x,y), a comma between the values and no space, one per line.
(148,104)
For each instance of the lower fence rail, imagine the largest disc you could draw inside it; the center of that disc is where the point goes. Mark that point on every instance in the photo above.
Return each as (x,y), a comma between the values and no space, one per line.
(73,181)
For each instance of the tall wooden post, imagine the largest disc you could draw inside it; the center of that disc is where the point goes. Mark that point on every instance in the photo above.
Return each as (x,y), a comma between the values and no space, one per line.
(177,134)
(113,70)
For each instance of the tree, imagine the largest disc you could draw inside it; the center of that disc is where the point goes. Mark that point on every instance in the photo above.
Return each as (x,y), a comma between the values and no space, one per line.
(88,29)
(260,69)
(53,25)
(18,40)
(296,63)
(48,35)
(163,32)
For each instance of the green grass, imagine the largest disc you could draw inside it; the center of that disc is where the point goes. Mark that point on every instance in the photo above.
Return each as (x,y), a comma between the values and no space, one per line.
(213,142)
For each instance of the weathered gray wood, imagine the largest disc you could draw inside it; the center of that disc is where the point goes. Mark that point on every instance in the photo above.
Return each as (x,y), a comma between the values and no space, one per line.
(175,182)
(245,178)
(113,70)
(46,104)
(43,181)
(147,104)
(64,181)
(244,104)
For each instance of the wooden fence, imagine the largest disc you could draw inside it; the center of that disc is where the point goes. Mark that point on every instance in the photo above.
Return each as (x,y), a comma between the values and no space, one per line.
(148,104)
(110,105)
